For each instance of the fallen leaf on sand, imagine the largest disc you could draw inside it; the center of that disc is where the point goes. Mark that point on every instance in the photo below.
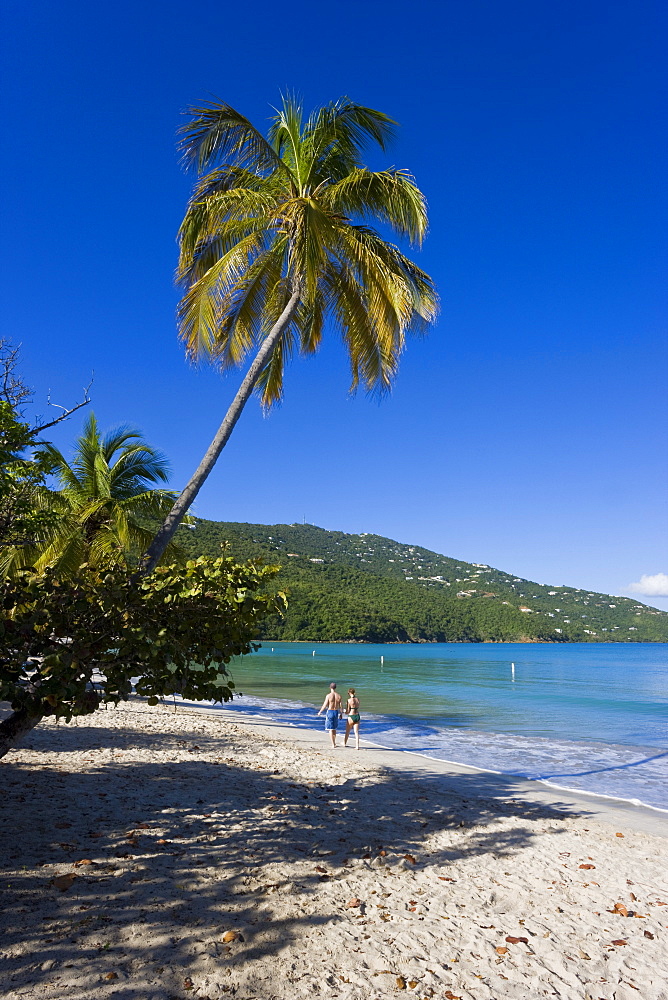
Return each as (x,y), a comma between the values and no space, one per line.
(84,861)
(412,983)
(111,975)
(188,984)
(444,878)
(619,941)
(401,983)
(619,835)
(516,940)
(410,858)
(501,950)
(63,882)
(648,934)
(319,868)
(232,936)
(353,903)
(619,908)
(451,996)
(587,866)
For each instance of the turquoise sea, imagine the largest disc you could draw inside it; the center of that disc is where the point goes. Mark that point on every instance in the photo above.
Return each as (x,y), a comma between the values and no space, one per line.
(591,717)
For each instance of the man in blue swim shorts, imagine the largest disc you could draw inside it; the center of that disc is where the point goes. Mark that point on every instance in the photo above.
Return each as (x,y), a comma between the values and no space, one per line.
(333,711)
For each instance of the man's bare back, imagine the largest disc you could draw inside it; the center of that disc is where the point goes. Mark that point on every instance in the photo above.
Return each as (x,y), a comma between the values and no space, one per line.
(332,701)
(333,707)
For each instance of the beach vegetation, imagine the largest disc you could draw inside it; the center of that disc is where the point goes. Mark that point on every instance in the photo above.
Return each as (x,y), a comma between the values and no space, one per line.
(104,507)
(69,644)
(278,243)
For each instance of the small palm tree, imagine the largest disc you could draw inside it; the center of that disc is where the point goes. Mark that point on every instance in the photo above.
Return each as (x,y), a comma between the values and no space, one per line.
(275,244)
(106,503)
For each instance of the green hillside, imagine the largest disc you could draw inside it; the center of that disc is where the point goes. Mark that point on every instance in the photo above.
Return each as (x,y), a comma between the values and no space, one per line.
(367,588)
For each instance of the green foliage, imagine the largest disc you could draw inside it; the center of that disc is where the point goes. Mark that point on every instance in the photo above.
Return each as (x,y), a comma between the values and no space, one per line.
(175,631)
(367,588)
(286,213)
(103,512)
(21,478)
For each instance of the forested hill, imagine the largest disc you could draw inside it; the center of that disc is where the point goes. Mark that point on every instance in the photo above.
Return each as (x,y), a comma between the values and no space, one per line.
(368,588)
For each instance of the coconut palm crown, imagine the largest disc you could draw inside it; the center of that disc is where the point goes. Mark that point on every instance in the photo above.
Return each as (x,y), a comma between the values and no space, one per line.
(105,504)
(287,216)
(276,243)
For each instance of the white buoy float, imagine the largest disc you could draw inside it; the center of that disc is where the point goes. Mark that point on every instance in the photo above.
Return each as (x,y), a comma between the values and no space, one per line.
(512,671)
(313,653)
(382,660)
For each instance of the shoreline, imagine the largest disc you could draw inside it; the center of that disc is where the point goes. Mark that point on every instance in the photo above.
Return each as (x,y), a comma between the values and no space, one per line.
(245,711)
(158,855)
(471,642)
(607,808)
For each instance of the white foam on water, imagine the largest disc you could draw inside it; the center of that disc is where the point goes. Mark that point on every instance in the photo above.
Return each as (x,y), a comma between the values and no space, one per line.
(635,775)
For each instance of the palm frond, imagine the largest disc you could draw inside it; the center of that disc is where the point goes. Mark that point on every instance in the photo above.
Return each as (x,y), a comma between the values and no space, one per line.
(218,133)
(390,196)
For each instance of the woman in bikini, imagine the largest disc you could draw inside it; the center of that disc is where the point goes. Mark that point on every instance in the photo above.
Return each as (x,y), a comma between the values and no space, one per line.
(353,720)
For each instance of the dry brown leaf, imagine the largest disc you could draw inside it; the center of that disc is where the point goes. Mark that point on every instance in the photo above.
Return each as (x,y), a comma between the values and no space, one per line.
(401,983)
(444,878)
(587,866)
(63,882)
(500,950)
(111,975)
(188,983)
(232,936)
(648,934)
(516,940)
(634,897)
(451,996)
(84,861)
(319,868)
(410,858)
(619,941)
(619,835)
(412,983)
(619,908)
(353,903)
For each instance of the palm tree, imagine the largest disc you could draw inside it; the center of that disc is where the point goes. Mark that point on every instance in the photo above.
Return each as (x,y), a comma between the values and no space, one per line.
(105,504)
(275,243)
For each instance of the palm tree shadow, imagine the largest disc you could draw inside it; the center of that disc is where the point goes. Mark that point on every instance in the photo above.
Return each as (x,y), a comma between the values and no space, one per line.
(167,861)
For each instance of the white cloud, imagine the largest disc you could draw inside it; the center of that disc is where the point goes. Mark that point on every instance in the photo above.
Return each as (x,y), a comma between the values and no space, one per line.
(651,586)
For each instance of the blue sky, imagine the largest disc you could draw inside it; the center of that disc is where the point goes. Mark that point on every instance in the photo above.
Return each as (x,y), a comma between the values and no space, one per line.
(528,429)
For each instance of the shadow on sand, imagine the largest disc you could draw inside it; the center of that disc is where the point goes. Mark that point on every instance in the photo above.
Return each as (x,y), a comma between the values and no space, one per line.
(169,864)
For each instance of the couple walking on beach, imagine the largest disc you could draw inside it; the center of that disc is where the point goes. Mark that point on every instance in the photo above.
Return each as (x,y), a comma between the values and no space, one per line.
(333,708)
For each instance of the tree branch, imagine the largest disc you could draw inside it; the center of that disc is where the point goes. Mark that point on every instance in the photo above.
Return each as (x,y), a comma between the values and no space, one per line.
(66,413)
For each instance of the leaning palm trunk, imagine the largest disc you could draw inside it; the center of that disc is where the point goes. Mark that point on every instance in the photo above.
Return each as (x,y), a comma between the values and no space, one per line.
(15,727)
(167,529)
(288,214)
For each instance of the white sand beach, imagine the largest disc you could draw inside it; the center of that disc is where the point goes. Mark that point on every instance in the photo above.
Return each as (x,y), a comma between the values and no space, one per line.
(152,855)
